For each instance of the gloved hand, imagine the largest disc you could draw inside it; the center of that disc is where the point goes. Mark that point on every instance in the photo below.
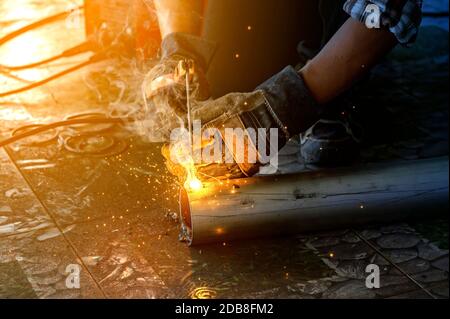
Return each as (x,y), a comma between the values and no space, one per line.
(283,103)
(166,82)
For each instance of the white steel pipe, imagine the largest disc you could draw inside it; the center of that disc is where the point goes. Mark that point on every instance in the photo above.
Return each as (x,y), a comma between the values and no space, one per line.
(261,206)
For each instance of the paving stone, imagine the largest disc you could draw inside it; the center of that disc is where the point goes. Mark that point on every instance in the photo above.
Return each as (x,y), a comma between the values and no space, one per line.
(370,234)
(434,150)
(417,294)
(41,263)
(395,290)
(49,279)
(313,287)
(392,280)
(91,260)
(14,283)
(3,219)
(351,269)
(431,276)
(334,233)
(16,193)
(65,294)
(407,154)
(398,241)
(441,264)
(441,290)
(397,228)
(412,144)
(8,228)
(336,279)
(331,263)
(396,256)
(18,215)
(5,210)
(355,269)
(352,289)
(292,168)
(286,160)
(412,267)
(324,242)
(430,252)
(350,238)
(349,252)
(264,294)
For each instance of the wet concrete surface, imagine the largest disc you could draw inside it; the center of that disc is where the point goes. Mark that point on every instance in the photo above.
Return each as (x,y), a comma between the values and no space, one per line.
(115,216)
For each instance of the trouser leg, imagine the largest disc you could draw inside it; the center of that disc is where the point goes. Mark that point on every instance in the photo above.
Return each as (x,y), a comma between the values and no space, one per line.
(256,39)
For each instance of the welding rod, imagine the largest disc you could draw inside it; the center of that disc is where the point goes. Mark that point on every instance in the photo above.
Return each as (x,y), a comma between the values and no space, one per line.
(329,199)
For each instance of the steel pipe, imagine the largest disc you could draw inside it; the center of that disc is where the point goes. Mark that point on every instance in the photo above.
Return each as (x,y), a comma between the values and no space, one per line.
(334,198)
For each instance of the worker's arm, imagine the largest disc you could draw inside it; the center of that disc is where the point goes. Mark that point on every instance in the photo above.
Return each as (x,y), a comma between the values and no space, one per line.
(180,22)
(352,51)
(179,16)
(292,101)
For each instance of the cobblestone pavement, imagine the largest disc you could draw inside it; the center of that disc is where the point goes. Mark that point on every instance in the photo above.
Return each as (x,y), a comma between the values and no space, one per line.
(115,216)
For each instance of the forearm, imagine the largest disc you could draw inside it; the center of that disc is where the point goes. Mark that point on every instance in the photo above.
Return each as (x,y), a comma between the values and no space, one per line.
(350,54)
(179,16)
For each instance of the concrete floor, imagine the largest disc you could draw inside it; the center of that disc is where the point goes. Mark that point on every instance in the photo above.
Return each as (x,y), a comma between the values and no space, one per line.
(114,216)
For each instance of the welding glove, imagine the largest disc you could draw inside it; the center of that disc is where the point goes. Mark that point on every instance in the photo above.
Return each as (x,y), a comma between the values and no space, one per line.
(283,103)
(166,83)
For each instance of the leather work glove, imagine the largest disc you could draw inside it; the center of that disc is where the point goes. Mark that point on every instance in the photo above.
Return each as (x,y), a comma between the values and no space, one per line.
(282,102)
(165,89)
(166,83)
(208,112)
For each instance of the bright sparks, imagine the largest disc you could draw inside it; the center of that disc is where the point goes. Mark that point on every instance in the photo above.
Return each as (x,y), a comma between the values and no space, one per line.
(195,184)
(181,153)
(192,182)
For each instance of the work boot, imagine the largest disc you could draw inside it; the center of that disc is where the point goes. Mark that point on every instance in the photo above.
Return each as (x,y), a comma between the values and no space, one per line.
(335,139)
(329,143)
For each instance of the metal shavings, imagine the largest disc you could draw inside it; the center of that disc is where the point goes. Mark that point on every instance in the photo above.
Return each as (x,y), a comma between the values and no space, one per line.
(92,260)
(9,228)
(5,210)
(16,193)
